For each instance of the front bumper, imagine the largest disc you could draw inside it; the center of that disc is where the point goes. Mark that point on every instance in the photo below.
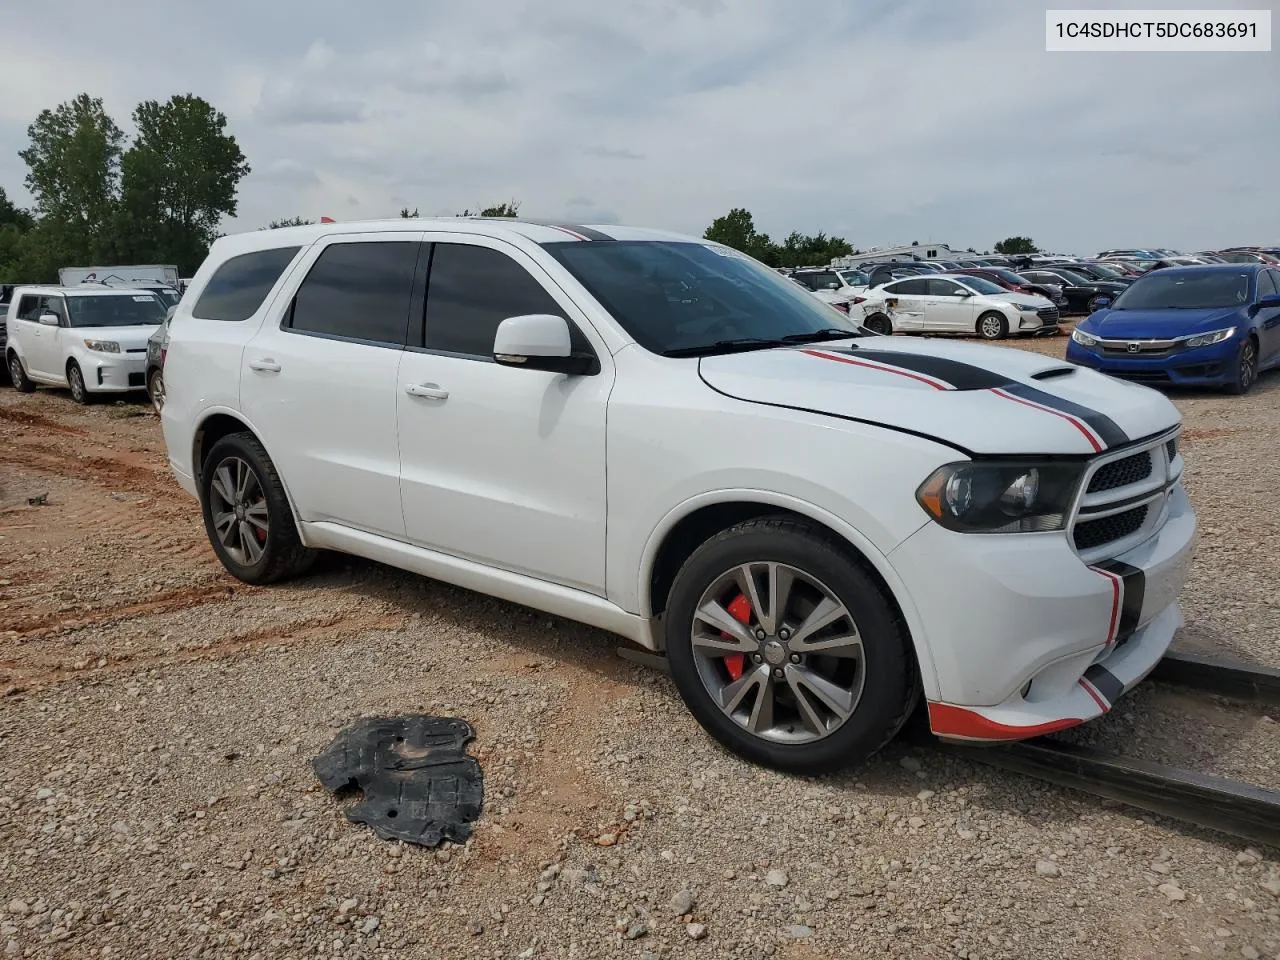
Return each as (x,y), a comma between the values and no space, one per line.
(1214,365)
(113,372)
(1025,638)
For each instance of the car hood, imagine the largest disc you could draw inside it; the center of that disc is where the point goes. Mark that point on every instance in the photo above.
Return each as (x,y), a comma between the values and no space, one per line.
(986,400)
(1157,324)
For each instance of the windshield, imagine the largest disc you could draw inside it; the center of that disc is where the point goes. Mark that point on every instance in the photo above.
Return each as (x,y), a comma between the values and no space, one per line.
(1185,291)
(855,278)
(1008,276)
(1099,270)
(672,295)
(982,285)
(131,310)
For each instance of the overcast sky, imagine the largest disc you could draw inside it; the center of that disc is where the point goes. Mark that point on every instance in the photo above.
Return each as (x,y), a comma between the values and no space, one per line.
(880,121)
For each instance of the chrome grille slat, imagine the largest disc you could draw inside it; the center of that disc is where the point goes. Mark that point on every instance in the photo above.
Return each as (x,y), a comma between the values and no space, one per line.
(1123,498)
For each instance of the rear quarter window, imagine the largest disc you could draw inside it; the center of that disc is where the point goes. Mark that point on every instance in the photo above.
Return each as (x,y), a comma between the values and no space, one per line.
(238,287)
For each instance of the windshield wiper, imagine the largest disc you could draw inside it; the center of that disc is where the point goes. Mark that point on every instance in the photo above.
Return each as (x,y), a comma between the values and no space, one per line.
(726,346)
(830,333)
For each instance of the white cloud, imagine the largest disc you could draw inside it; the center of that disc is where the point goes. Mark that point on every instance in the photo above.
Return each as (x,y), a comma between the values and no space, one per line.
(881,121)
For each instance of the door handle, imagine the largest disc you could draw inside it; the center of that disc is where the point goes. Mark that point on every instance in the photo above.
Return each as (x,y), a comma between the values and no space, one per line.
(431,391)
(265,365)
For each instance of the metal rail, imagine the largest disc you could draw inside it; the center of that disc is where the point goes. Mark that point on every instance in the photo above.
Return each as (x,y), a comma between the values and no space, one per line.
(1227,678)
(1235,808)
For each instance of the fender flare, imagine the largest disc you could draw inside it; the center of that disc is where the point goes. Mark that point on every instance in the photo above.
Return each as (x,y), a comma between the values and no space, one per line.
(872,554)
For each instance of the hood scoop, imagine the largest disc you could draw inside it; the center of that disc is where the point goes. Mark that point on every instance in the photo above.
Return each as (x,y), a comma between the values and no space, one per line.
(1053,372)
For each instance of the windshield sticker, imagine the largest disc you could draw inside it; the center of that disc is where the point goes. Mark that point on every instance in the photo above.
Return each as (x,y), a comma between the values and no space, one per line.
(143,299)
(727,252)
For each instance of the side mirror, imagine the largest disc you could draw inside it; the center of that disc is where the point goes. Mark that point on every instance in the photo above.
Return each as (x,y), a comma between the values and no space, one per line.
(539,341)
(49,319)
(1101,302)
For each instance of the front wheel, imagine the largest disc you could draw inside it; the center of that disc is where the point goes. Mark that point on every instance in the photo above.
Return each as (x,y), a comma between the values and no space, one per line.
(879,323)
(18,375)
(75,380)
(785,650)
(1246,369)
(993,326)
(247,514)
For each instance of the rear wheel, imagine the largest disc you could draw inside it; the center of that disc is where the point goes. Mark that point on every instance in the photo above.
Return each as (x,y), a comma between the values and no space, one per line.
(18,374)
(155,389)
(75,380)
(785,650)
(879,323)
(247,514)
(1246,368)
(993,326)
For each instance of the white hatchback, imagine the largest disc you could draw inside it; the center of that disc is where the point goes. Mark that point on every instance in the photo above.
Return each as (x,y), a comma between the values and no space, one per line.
(957,303)
(91,340)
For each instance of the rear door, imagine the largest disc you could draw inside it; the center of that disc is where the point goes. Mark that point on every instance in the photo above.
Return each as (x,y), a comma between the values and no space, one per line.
(36,342)
(907,301)
(319,379)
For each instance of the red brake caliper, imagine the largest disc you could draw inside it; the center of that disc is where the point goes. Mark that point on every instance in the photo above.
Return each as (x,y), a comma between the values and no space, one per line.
(740,609)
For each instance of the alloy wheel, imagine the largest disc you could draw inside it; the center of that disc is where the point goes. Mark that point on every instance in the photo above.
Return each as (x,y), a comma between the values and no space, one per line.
(1248,365)
(238,504)
(991,328)
(75,379)
(157,391)
(778,651)
(15,369)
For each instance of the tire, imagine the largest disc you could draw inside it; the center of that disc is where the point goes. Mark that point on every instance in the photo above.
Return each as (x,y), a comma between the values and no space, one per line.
(18,374)
(878,673)
(1092,305)
(273,553)
(879,323)
(992,325)
(1246,369)
(75,380)
(155,390)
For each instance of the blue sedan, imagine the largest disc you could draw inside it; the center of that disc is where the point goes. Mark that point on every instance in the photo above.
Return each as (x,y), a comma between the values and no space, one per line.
(1214,325)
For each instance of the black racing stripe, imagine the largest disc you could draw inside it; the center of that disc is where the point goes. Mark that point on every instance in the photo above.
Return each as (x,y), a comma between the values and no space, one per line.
(962,376)
(1135,594)
(1105,682)
(1102,425)
(587,232)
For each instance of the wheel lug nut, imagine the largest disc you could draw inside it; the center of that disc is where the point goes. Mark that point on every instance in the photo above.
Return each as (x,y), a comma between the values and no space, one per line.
(760,634)
(778,673)
(784,634)
(757,658)
(795,658)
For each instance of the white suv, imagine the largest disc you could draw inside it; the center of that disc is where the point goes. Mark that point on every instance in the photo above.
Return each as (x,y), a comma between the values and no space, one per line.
(664,438)
(88,338)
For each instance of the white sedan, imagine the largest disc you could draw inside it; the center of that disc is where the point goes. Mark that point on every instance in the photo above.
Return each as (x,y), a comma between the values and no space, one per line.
(953,303)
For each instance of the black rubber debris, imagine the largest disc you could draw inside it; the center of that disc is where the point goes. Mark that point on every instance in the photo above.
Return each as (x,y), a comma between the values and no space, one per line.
(419,784)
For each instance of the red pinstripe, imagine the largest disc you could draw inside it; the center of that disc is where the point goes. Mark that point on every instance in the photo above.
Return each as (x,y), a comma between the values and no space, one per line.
(1080,425)
(1097,696)
(936,384)
(1117,585)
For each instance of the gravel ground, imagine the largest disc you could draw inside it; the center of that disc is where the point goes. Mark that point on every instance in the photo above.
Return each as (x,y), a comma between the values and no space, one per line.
(159,718)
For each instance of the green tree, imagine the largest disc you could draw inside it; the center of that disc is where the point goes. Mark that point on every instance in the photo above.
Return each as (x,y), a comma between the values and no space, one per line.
(510,208)
(1016,245)
(287,222)
(405,214)
(179,180)
(737,229)
(12,214)
(73,164)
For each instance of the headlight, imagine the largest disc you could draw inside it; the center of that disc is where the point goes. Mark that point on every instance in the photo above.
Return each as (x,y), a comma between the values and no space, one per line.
(103,346)
(1001,496)
(1028,307)
(1082,338)
(1204,339)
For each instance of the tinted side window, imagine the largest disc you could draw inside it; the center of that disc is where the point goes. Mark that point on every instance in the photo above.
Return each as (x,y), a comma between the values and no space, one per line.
(30,307)
(942,288)
(238,287)
(358,290)
(58,307)
(912,287)
(1266,284)
(471,290)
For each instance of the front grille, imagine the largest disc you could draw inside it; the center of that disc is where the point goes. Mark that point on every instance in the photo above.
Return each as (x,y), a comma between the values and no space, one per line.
(136,380)
(1171,448)
(1120,473)
(1048,314)
(1094,533)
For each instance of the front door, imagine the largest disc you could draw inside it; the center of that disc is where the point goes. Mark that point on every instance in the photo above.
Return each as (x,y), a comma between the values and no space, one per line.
(319,378)
(949,308)
(501,465)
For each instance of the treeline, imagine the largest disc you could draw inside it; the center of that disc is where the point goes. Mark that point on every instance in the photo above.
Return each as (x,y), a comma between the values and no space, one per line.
(737,229)
(156,199)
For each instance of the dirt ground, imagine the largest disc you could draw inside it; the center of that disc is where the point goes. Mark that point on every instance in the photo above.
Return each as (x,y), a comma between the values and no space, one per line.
(158,720)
